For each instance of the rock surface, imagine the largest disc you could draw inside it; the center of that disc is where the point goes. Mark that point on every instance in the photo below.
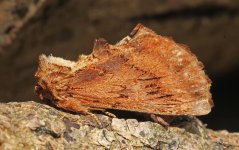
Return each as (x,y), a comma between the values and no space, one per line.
(67,29)
(31,125)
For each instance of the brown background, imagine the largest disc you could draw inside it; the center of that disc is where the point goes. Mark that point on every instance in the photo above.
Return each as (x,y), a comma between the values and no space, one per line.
(67,28)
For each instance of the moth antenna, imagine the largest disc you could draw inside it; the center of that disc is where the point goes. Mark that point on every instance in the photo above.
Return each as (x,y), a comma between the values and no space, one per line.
(94,117)
(109,114)
(104,111)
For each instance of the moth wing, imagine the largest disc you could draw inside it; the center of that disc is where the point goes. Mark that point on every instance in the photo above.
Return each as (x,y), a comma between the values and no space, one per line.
(146,73)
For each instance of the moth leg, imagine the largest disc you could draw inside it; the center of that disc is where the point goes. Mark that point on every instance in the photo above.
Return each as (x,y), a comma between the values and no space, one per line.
(76,107)
(104,111)
(72,105)
(163,120)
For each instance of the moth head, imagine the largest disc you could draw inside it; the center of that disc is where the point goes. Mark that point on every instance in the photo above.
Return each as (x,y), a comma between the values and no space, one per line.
(53,74)
(51,70)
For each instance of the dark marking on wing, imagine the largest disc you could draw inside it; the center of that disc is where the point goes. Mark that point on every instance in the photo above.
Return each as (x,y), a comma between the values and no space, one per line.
(152,85)
(152,92)
(123,96)
(165,96)
(151,78)
(87,75)
(113,64)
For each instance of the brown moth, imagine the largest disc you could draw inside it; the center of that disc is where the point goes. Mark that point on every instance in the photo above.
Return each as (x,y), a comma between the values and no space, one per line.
(144,72)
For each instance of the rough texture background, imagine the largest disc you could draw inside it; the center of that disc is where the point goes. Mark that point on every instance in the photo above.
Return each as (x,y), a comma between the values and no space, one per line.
(30,125)
(68,28)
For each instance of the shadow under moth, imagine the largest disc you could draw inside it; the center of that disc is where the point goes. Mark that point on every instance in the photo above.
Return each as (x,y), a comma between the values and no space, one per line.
(144,72)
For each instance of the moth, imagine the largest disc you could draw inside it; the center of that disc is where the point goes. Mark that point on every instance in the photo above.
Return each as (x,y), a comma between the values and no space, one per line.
(144,72)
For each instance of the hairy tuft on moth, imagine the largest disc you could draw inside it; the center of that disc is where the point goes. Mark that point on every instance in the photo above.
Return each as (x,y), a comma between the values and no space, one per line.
(144,72)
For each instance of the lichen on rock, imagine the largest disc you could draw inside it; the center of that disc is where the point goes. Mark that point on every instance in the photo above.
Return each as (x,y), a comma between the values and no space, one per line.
(30,125)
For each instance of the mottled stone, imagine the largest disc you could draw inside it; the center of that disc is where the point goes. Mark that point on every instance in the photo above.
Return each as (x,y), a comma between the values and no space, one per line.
(30,125)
